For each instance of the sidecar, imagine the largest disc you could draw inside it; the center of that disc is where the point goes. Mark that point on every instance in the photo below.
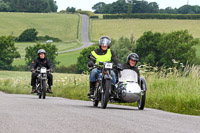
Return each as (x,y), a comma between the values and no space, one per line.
(128,89)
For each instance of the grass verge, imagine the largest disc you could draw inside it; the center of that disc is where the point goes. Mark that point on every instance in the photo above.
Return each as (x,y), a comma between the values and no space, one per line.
(175,92)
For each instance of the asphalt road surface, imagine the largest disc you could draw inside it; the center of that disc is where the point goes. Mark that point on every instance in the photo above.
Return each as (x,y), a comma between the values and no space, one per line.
(84,35)
(28,114)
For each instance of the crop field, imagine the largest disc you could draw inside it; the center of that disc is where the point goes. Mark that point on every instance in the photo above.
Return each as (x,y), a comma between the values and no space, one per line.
(176,92)
(116,28)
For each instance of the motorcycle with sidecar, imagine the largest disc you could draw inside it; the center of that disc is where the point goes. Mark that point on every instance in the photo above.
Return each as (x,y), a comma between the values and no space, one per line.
(127,89)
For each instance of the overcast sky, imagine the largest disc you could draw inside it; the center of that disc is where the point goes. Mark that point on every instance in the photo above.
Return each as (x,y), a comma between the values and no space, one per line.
(88,4)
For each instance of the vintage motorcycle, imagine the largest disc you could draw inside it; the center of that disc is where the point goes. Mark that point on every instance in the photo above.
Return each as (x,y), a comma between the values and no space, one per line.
(41,82)
(127,89)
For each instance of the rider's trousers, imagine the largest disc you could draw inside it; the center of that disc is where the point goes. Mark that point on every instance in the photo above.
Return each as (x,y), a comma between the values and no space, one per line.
(34,77)
(95,72)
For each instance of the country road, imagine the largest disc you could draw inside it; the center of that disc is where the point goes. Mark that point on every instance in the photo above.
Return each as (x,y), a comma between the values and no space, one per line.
(28,114)
(84,35)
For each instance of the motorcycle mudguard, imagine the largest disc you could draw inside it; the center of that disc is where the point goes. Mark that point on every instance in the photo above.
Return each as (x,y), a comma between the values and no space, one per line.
(143,84)
(107,77)
(129,92)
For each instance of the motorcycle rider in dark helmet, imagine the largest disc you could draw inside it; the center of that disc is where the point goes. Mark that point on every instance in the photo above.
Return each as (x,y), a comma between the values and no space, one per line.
(41,61)
(131,62)
(104,54)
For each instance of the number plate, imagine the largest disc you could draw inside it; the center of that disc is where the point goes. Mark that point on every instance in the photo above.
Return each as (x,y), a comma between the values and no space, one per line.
(43,70)
(109,65)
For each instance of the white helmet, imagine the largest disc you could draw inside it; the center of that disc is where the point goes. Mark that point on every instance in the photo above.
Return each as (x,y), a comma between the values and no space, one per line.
(104,40)
(41,51)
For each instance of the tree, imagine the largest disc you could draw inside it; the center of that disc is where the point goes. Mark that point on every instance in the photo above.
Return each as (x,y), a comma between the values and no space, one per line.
(51,52)
(8,52)
(71,9)
(83,58)
(28,35)
(123,47)
(147,48)
(5,7)
(32,5)
(178,45)
(98,7)
(158,49)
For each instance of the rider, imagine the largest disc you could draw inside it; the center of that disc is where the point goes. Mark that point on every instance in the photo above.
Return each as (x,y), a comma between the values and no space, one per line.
(104,54)
(41,61)
(131,63)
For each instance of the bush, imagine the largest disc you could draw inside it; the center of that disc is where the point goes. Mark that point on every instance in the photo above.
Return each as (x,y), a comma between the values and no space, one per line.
(152,16)
(21,68)
(46,37)
(8,52)
(89,13)
(28,35)
(123,47)
(83,58)
(70,69)
(96,17)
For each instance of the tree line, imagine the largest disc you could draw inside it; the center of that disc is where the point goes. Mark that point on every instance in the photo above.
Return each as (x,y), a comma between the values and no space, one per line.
(28,6)
(136,6)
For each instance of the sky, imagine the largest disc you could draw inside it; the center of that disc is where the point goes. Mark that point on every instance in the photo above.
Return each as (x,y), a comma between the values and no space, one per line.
(88,4)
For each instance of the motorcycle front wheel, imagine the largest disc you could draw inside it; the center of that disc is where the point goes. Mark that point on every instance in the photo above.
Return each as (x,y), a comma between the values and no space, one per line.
(44,85)
(105,94)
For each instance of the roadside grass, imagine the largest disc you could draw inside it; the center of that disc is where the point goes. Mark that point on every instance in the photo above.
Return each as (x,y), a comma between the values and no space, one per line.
(62,26)
(116,28)
(176,92)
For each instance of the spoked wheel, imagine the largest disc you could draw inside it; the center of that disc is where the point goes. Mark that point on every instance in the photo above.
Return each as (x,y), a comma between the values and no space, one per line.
(44,85)
(105,94)
(141,102)
(96,99)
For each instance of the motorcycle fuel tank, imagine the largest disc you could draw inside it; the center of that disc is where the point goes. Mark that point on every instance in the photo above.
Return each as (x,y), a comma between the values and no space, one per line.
(129,92)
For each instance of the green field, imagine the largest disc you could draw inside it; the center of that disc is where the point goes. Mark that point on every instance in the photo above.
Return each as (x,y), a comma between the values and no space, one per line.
(60,45)
(116,28)
(63,26)
(173,92)
(66,59)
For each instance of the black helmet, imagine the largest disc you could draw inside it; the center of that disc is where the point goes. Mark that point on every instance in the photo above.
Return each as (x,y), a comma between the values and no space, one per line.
(132,56)
(41,51)
(104,40)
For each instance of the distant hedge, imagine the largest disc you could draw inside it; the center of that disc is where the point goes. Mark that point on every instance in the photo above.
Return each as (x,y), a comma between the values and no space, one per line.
(152,16)
(89,13)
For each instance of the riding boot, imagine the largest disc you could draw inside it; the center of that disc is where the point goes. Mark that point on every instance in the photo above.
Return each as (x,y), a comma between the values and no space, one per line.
(49,90)
(92,86)
(33,90)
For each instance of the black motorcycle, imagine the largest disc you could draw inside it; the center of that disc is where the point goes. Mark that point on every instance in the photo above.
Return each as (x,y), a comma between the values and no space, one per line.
(103,86)
(41,82)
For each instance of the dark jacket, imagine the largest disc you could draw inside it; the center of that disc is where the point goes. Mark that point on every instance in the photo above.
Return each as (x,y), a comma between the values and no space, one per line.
(127,66)
(41,63)
(102,52)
